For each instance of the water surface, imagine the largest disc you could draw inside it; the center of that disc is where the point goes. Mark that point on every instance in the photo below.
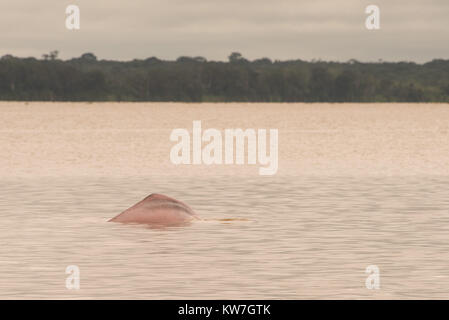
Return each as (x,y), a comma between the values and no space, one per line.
(357,185)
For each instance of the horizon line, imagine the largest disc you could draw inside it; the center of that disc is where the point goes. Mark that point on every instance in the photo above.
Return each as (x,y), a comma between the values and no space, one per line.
(273,60)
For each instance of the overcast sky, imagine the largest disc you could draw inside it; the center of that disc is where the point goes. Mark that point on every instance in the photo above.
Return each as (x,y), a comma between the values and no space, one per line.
(411,30)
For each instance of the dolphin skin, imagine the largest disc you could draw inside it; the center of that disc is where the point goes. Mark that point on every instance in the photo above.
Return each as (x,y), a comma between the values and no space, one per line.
(158,210)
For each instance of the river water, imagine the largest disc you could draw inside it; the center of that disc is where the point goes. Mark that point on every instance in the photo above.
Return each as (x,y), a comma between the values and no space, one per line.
(358,185)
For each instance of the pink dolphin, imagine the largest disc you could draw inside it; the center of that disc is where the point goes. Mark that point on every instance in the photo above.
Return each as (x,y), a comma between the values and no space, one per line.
(158,210)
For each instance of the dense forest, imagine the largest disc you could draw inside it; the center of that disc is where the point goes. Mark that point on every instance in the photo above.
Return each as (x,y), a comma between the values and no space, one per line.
(194,79)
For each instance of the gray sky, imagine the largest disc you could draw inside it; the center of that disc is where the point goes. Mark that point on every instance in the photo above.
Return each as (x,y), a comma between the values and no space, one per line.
(411,30)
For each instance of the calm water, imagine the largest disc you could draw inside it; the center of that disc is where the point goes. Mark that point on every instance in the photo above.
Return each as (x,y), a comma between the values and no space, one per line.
(370,190)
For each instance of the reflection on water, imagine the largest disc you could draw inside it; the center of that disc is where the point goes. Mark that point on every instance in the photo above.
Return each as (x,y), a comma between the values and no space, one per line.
(303,237)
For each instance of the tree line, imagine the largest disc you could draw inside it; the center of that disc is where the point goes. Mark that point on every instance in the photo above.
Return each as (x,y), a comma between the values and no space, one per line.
(194,79)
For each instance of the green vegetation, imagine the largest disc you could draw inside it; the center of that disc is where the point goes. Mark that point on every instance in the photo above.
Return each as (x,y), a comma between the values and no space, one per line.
(196,79)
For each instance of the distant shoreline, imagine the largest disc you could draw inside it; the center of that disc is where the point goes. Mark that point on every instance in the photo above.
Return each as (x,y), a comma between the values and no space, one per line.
(26,102)
(188,79)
